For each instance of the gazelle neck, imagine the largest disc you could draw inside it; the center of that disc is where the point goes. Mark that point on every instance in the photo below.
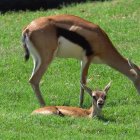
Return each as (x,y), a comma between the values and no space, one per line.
(94,111)
(119,63)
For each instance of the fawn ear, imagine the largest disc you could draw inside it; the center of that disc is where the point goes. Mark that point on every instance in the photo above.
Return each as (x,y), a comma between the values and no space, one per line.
(107,87)
(87,89)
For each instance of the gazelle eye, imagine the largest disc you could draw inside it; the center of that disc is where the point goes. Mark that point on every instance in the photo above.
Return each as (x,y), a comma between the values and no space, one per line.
(94,97)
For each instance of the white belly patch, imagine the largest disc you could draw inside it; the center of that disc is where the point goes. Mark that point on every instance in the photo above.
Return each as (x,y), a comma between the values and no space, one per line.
(68,49)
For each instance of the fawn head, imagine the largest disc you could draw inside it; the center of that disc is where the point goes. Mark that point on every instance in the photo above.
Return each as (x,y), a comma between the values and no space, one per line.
(98,96)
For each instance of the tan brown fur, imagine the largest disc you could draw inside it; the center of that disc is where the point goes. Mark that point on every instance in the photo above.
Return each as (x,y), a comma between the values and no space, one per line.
(63,111)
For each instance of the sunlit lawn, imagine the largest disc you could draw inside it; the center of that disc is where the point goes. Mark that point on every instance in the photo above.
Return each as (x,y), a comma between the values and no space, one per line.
(60,85)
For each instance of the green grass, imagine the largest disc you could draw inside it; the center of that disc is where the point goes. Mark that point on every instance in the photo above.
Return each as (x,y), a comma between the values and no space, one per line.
(60,85)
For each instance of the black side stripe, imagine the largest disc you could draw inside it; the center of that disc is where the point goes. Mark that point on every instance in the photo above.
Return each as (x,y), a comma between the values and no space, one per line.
(75,38)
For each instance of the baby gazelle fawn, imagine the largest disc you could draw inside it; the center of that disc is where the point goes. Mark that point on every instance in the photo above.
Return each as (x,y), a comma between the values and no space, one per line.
(98,100)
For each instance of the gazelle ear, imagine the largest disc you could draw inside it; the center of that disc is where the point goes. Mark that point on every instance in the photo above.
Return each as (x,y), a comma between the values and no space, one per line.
(107,87)
(87,89)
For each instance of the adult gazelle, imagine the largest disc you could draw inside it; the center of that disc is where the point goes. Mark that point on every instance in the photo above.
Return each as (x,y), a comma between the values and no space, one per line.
(70,36)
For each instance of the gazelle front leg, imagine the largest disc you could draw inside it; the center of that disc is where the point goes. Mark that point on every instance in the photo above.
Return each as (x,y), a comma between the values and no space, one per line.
(85,63)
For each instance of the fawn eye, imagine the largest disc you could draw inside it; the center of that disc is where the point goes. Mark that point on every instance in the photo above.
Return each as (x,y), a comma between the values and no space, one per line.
(94,97)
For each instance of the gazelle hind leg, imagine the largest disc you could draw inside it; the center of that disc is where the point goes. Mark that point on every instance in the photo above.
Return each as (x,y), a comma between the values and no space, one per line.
(41,57)
(36,77)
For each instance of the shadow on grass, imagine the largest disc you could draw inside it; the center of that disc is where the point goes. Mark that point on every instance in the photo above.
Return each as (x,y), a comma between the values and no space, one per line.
(106,120)
(33,5)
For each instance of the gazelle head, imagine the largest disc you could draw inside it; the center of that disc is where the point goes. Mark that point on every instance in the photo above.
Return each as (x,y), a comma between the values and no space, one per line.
(135,72)
(98,96)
